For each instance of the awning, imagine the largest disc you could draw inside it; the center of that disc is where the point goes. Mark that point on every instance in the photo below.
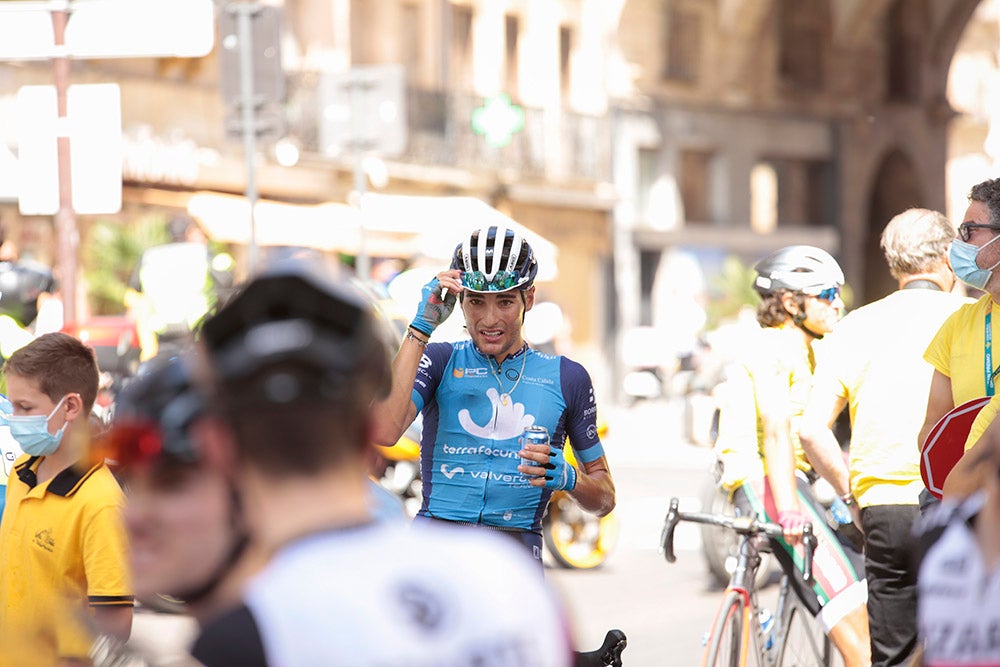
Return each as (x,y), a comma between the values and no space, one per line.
(394,225)
(438,224)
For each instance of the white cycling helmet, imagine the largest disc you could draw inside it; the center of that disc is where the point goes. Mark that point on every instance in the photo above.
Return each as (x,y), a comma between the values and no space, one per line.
(798,268)
(495,259)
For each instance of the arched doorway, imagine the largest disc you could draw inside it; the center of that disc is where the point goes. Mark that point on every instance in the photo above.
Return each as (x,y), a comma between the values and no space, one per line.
(896,188)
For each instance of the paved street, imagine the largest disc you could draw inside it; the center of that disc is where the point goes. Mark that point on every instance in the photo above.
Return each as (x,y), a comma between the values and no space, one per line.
(663,608)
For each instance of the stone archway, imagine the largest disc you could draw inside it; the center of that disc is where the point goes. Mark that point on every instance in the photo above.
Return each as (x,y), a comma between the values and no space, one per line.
(896,188)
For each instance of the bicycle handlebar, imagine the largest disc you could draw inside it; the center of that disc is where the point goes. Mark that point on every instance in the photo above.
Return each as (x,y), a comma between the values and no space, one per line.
(610,653)
(744,525)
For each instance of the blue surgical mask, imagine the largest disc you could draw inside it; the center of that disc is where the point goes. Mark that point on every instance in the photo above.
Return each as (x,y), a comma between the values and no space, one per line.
(963,262)
(32,432)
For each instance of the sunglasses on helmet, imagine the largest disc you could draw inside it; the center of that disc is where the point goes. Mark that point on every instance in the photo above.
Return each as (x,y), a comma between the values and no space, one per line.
(139,444)
(478,282)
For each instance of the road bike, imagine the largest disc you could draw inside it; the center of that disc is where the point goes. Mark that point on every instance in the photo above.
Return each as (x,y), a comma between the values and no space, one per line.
(742,634)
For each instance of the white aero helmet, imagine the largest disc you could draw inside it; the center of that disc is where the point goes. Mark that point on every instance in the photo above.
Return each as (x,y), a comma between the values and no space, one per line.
(495,259)
(798,268)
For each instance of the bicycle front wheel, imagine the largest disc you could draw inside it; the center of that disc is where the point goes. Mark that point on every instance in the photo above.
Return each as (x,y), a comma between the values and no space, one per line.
(731,643)
(801,642)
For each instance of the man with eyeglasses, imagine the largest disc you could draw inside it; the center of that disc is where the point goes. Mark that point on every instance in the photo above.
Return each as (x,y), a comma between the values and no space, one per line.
(880,374)
(962,351)
(479,396)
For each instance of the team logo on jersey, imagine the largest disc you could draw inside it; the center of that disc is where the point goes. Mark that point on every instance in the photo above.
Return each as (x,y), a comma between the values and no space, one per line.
(470,372)
(421,605)
(507,418)
(451,472)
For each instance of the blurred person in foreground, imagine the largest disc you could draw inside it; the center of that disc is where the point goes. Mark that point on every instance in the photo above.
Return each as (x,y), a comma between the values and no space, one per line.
(881,375)
(763,464)
(65,579)
(961,352)
(185,528)
(958,580)
(478,396)
(297,360)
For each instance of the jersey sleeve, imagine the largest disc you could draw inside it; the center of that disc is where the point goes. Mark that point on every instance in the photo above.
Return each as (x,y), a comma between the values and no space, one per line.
(429,373)
(581,411)
(105,555)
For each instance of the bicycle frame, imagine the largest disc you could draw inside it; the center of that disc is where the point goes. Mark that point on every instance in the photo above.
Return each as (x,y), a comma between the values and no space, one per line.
(737,620)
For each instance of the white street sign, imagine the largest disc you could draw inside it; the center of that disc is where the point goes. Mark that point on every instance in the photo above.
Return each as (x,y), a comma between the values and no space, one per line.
(95,138)
(109,29)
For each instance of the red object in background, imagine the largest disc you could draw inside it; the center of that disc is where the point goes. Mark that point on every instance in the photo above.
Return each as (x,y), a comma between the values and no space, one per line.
(115,340)
(945,443)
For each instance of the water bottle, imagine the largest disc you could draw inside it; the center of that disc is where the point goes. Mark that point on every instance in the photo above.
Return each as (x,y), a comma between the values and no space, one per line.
(841,512)
(766,623)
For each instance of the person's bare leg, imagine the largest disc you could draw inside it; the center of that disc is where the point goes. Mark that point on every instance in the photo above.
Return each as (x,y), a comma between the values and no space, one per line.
(851,637)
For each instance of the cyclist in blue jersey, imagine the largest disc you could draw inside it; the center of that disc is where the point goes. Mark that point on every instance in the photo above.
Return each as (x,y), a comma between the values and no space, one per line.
(478,396)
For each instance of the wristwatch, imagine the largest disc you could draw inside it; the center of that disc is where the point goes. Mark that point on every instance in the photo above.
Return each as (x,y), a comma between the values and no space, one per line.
(848,498)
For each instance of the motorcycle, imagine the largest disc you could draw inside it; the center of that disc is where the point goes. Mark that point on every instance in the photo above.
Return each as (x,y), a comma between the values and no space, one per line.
(573,537)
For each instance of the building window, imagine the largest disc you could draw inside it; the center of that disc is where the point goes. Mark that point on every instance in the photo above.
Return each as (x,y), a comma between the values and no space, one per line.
(410,47)
(511,33)
(788,192)
(802,39)
(682,33)
(695,185)
(763,198)
(460,70)
(649,171)
(565,51)
(906,27)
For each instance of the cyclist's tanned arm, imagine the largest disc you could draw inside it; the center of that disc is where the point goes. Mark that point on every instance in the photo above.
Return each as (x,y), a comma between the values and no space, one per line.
(397,411)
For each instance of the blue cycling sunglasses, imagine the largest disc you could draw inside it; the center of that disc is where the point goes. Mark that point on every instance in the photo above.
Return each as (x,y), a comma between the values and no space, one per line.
(829,295)
(501,282)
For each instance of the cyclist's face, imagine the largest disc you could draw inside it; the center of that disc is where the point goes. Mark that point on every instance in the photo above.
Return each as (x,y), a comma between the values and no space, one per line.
(822,315)
(494,320)
(179,520)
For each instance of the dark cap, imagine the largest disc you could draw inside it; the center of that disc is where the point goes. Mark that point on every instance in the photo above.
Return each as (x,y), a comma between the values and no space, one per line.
(295,333)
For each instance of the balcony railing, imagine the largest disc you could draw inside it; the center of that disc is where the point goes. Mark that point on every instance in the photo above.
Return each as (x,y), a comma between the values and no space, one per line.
(554,145)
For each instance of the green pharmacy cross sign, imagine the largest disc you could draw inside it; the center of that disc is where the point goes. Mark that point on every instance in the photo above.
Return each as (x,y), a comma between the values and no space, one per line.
(497,120)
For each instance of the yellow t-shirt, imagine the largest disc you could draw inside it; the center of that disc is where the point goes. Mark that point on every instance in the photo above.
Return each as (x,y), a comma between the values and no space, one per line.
(983,419)
(63,549)
(958,349)
(776,356)
(873,361)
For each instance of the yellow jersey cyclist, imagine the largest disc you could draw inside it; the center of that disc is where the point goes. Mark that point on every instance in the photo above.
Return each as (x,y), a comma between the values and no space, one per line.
(763,462)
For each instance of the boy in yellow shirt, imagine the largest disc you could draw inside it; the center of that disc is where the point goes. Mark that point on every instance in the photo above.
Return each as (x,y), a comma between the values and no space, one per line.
(64,579)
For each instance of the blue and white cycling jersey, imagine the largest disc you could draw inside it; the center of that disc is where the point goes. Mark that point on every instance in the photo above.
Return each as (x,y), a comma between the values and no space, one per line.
(469,447)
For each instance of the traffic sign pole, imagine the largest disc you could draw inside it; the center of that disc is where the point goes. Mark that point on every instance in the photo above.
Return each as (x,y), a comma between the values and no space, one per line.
(68,236)
(244,20)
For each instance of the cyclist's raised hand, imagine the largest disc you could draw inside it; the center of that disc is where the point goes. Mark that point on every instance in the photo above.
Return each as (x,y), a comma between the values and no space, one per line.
(437,301)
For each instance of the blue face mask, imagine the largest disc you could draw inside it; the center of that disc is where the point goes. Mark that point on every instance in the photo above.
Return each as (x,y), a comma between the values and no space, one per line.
(32,432)
(963,262)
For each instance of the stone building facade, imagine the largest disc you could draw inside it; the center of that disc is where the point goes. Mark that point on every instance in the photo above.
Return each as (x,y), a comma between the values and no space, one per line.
(711,126)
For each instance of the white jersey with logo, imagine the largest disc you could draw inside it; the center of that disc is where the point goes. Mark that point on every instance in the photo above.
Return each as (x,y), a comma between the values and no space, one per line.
(958,611)
(384,595)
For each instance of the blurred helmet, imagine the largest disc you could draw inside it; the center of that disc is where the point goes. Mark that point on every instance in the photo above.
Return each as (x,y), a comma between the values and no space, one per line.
(153,413)
(798,268)
(296,333)
(495,259)
(21,283)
